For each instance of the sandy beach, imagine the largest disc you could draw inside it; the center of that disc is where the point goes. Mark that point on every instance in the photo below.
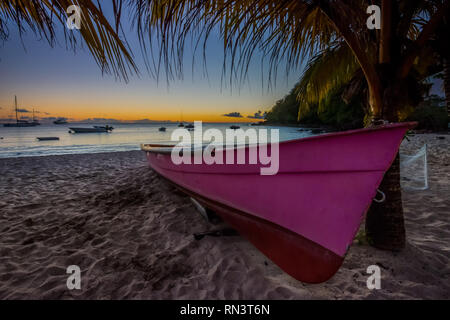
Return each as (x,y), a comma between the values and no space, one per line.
(131,233)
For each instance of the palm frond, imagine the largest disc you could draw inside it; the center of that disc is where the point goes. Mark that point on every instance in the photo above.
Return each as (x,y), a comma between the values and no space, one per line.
(101,39)
(330,69)
(288,30)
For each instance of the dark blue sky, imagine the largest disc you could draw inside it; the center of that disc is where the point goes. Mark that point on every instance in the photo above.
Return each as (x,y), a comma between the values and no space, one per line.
(63,83)
(59,82)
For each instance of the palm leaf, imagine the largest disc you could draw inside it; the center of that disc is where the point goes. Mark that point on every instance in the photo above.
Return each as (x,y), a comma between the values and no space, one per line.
(288,30)
(101,39)
(327,71)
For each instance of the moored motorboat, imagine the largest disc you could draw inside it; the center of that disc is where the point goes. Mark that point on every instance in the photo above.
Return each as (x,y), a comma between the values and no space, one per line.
(47,138)
(60,121)
(94,129)
(20,124)
(305,217)
(107,127)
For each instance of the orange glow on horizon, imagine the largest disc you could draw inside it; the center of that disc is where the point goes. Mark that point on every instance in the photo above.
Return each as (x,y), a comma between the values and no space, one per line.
(83,108)
(130,116)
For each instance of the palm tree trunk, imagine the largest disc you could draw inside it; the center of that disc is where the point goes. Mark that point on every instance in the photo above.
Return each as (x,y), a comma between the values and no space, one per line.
(385,227)
(386,31)
(384,221)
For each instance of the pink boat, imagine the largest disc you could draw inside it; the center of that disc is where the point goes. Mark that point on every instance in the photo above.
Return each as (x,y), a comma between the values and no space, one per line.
(305,217)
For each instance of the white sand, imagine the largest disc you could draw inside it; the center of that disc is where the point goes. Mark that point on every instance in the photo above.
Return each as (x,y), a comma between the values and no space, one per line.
(131,234)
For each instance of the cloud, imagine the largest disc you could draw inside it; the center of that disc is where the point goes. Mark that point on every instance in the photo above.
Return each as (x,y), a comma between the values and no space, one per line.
(258,115)
(29,111)
(148,121)
(233,115)
(95,120)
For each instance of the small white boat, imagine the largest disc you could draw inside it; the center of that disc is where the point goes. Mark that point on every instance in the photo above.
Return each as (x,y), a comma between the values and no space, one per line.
(60,121)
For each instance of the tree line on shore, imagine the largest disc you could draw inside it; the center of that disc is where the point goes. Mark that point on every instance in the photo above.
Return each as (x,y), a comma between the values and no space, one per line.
(338,114)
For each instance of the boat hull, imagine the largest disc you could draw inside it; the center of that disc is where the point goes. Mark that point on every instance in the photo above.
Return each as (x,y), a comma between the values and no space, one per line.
(47,138)
(20,125)
(88,130)
(305,217)
(299,257)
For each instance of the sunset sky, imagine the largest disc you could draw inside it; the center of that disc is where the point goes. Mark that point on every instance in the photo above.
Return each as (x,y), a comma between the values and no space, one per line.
(58,83)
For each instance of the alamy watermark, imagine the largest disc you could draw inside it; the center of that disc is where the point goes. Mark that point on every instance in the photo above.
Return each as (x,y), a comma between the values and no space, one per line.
(73,17)
(74,280)
(374,20)
(239,146)
(374,281)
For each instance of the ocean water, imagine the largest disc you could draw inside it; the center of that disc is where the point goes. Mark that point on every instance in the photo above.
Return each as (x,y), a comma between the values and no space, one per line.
(22,142)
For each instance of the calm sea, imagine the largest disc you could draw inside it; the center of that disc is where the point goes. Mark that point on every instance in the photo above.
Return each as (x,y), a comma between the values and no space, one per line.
(22,142)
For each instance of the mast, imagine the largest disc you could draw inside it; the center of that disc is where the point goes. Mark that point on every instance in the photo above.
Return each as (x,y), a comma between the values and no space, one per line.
(15,100)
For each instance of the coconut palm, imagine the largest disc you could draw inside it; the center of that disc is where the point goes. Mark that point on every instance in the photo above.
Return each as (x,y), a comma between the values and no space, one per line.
(331,69)
(44,17)
(336,69)
(292,30)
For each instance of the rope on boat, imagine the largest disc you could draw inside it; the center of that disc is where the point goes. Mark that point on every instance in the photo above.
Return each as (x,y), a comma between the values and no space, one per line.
(383,197)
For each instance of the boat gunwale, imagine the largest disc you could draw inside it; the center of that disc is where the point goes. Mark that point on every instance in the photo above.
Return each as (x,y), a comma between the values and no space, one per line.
(167,149)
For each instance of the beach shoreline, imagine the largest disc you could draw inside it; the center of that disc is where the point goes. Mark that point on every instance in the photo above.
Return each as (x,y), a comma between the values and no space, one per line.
(131,233)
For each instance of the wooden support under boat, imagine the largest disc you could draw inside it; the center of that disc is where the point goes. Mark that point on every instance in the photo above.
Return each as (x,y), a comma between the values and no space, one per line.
(299,257)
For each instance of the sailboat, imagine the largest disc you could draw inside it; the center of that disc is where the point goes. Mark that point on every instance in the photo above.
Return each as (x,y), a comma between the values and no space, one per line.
(181,124)
(305,217)
(20,123)
(35,121)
